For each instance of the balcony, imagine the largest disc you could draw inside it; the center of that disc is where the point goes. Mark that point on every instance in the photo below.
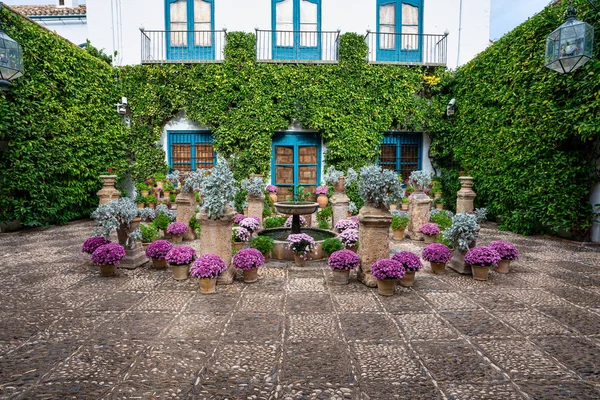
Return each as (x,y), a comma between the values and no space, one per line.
(310,47)
(159,47)
(407,48)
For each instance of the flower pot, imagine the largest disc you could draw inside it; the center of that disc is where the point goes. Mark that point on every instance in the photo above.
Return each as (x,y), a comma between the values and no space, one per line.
(393,207)
(480,273)
(503,266)
(349,214)
(251,275)
(429,238)
(166,195)
(398,234)
(108,270)
(340,276)
(152,205)
(386,287)
(273,197)
(437,195)
(180,272)
(322,200)
(439,206)
(159,185)
(340,185)
(176,239)
(238,245)
(438,268)
(404,206)
(408,280)
(157,263)
(353,249)
(299,260)
(140,205)
(145,193)
(207,285)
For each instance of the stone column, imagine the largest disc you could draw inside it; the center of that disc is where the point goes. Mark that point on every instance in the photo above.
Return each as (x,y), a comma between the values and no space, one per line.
(457,262)
(256,206)
(215,238)
(465,196)
(108,191)
(419,205)
(373,233)
(186,209)
(133,257)
(339,202)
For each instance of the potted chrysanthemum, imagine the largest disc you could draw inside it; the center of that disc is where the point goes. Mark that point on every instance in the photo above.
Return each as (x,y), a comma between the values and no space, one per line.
(341,262)
(207,269)
(430,231)
(272,190)
(322,199)
(252,224)
(301,244)
(179,259)
(411,263)
(508,252)
(239,236)
(438,255)
(158,251)
(249,260)
(349,223)
(107,257)
(387,272)
(177,230)
(91,244)
(349,238)
(481,259)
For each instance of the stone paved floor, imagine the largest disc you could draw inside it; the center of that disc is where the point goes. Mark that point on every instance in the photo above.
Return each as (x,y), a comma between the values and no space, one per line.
(67,333)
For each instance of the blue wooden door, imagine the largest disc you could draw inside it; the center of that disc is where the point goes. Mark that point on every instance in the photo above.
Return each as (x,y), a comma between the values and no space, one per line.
(190,150)
(401,152)
(399,37)
(191,30)
(297,26)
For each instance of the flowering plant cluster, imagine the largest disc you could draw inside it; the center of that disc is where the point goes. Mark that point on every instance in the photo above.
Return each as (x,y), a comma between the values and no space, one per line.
(482,256)
(181,255)
(272,189)
(462,173)
(437,253)
(322,190)
(410,261)
(429,229)
(507,251)
(248,259)
(177,228)
(301,244)
(238,218)
(159,249)
(387,269)
(251,224)
(91,244)
(343,260)
(240,234)
(208,266)
(108,254)
(288,222)
(349,237)
(344,224)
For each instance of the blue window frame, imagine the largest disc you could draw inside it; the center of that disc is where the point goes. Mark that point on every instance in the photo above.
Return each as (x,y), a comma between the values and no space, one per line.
(400,29)
(190,150)
(190,29)
(401,152)
(295,160)
(297,26)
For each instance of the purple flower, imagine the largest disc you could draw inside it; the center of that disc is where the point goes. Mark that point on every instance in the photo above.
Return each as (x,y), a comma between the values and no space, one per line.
(482,256)
(410,261)
(90,245)
(344,224)
(250,223)
(387,269)
(240,234)
(507,251)
(437,253)
(301,244)
(343,260)
(349,237)
(288,222)
(108,254)
(272,189)
(429,229)
(159,249)
(177,228)
(238,218)
(248,259)
(208,266)
(322,190)
(181,255)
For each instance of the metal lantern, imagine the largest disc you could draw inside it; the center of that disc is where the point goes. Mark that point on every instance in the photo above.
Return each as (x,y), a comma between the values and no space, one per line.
(11,60)
(571,45)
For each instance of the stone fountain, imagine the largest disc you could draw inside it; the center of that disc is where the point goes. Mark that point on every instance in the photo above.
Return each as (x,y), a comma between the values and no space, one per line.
(296,209)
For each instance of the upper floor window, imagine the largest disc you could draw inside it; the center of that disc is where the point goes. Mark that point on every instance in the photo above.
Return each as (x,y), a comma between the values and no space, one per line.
(399,30)
(297,24)
(191,26)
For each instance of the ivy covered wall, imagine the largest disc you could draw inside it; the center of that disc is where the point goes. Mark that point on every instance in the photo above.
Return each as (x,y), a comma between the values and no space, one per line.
(527,134)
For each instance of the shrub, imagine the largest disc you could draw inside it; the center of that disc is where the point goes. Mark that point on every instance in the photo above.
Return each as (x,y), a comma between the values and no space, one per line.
(379,186)
(324,216)
(420,179)
(437,253)
(177,228)
(343,260)
(149,232)
(429,229)
(208,266)
(180,255)
(162,221)
(108,254)
(332,245)
(387,269)
(463,231)
(159,249)
(399,221)
(275,222)
(91,244)
(442,220)
(409,261)
(219,190)
(264,244)
(507,251)
(254,187)
(248,259)
(482,256)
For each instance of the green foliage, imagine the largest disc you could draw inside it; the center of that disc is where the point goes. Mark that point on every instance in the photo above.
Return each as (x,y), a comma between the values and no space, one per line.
(352,193)
(324,217)
(275,222)
(399,222)
(264,244)
(194,225)
(98,53)
(161,221)
(268,205)
(168,186)
(151,199)
(301,195)
(332,245)
(149,233)
(442,220)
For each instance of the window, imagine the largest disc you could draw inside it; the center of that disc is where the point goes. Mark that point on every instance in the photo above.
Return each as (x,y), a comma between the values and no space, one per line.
(297,25)
(190,151)
(399,30)
(401,152)
(191,29)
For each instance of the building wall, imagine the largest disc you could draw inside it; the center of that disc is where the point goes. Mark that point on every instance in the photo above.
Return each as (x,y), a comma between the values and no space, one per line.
(74,30)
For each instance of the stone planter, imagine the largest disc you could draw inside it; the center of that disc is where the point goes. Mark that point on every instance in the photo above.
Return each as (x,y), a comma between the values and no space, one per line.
(398,234)
(180,272)
(465,196)
(340,276)
(176,239)
(207,285)
(419,205)
(322,200)
(503,266)
(438,268)
(215,238)
(457,262)
(134,257)
(480,273)
(158,263)
(429,238)
(386,287)
(186,210)
(107,270)
(408,279)
(108,191)
(301,262)
(373,231)
(256,207)
(251,275)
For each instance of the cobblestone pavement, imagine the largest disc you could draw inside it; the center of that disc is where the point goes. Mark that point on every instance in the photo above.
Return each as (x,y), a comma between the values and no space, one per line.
(65,332)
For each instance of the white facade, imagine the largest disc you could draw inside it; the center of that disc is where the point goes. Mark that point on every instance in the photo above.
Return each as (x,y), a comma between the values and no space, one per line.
(74,29)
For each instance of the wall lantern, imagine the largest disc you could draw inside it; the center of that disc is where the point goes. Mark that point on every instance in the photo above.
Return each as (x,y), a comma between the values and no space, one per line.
(571,45)
(11,59)
(450,108)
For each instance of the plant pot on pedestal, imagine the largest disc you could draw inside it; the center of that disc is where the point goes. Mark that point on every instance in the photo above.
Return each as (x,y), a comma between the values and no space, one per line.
(134,257)
(215,238)
(465,196)
(273,197)
(373,232)
(108,191)
(322,200)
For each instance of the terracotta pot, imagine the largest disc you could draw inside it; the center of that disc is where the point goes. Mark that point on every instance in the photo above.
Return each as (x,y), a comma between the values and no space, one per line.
(404,206)
(340,185)
(207,285)
(438,268)
(503,266)
(251,275)
(437,195)
(140,205)
(159,185)
(166,195)
(145,193)
(480,273)
(439,206)
(108,270)
(349,214)
(273,197)
(386,287)
(152,205)
(180,272)
(340,276)
(353,249)
(393,207)
(238,245)
(176,239)
(322,200)
(301,262)
(408,280)
(429,239)
(398,234)
(159,264)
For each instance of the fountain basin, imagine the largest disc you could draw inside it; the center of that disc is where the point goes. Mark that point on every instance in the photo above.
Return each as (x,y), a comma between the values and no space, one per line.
(282,252)
(296,207)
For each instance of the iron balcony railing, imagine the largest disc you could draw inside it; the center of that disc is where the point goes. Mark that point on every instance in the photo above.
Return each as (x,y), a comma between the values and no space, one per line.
(182,46)
(297,46)
(407,48)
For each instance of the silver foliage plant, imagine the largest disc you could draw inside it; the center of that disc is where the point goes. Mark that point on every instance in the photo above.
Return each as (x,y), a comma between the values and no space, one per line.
(352,208)
(463,231)
(255,186)
(434,211)
(379,186)
(162,208)
(351,176)
(331,175)
(420,179)
(219,188)
(194,181)
(174,176)
(109,217)
(481,214)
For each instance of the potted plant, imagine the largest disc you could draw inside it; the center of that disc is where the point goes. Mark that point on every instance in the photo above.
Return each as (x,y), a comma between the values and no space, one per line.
(349,238)
(322,196)
(140,201)
(176,230)
(335,178)
(167,188)
(411,263)
(439,203)
(463,232)
(91,244)
(252,224)
(158,251)
(349,223)
(264,244)
(149,234)
(387,272)
(272,190)
(159,178)
(420,180)
(331,245)
(179,259)
(162,220)
(436,188)
(239,236)
(481,259)
(438,255)
(207,269)
(507,251)
(323,217)
(143,189)
(301,244)
(404,204)
(443,218)
(249,260)
(151,200)
(430,231)
(107,257)
(341,262)
(399,223)
(238,218)
(352,209)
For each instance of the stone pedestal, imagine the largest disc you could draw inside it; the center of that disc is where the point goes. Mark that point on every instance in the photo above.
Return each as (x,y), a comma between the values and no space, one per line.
(215,238)
(133,257)
(186,209)
(256,206)
(373,233)
(457,262)
(339,206)
(419,205)
(108,191)
(465,196)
